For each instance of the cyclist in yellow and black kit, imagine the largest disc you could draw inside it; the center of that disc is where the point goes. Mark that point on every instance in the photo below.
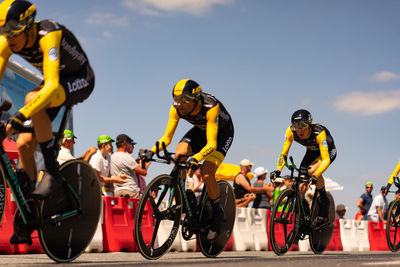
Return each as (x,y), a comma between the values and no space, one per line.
(68,79)
(210,138)
(392,177)
(321,152)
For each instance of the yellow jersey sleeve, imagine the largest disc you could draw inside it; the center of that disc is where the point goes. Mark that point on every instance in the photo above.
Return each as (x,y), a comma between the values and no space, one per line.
(5,53)
(394,173)
(171,127)
(324,150)
(52,93)
(211,133)
(286,147)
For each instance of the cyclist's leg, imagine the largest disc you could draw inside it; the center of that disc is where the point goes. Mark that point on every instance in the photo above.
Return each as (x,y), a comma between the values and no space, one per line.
(26,143)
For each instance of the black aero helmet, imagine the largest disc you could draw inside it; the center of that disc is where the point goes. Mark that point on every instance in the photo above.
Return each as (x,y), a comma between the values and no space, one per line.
(301,119)
(186,90)
(16,16)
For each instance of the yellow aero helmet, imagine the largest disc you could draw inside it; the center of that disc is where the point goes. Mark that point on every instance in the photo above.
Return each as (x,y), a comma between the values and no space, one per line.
(186,90)
(16,16)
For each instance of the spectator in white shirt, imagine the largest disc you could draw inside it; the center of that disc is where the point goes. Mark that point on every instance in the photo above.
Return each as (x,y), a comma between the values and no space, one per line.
(67,144)
(379,206)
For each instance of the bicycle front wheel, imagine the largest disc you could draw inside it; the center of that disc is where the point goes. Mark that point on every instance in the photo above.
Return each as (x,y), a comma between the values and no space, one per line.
(158,217)
(64,240)
(3,194)
(284,222)
(393,226)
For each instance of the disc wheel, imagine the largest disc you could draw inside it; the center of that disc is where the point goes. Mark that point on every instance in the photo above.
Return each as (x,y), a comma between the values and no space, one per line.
(393,226)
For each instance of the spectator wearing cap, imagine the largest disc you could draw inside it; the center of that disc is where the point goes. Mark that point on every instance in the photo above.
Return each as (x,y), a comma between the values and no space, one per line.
(122,161)
(379,207)
(67,144)
(100,162)
(340,211)
(364,203)
(244,192)
(263,199)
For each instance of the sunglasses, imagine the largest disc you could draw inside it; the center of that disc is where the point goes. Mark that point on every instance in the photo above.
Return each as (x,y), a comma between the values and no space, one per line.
(12,28)
(299,125)
(182,99)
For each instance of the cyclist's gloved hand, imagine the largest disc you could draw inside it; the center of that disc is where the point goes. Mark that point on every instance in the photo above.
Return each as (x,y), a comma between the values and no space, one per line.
(16,122)
(274,174)
(147,156)
(387,187)
(193,164)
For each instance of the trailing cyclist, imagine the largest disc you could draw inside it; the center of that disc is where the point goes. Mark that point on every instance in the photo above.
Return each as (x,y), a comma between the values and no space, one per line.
(320,153)
(210,138)
(68,79)
(392,177)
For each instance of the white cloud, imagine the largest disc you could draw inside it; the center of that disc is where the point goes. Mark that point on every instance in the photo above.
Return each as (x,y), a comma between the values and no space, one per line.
(107,19)
(384,76)
(368,103)
(162,7)
(107,35)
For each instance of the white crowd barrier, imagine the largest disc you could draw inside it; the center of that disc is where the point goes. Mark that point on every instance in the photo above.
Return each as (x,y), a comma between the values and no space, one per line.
(242,234)
(96,245)
(258,226)
(354,235)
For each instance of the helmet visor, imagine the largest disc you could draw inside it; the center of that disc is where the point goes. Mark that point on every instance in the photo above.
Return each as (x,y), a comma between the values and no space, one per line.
(12,28)
(183,99)
(298,125)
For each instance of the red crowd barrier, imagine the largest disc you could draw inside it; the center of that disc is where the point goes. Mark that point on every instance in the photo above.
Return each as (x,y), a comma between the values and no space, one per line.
(118,227)
(7,227)
(336,241)
(377,236)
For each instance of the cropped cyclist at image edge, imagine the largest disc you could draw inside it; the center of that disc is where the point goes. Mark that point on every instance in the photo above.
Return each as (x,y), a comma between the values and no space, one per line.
(68,79)
(392,177)
(210,138)
(320,153)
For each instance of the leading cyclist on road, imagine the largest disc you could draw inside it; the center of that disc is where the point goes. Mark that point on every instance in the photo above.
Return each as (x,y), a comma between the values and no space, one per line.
(68,79)
(321,152)
(210,138)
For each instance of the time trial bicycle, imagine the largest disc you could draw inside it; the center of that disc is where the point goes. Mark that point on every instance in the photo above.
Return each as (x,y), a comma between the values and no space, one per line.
(166,205)
(393,222)
(293,220)
(67,219)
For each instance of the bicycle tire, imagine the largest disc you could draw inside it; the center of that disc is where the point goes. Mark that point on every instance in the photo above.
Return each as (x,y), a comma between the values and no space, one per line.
(393,226)
(64,241)
(212,248)
(150,215)
(3,193)
(284,222)
(320,238)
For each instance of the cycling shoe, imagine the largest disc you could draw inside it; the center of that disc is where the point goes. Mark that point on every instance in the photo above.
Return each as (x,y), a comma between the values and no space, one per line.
(22,232)
(49,185)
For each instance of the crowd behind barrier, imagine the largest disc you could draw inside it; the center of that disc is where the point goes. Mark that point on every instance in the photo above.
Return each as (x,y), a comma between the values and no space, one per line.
(116,231)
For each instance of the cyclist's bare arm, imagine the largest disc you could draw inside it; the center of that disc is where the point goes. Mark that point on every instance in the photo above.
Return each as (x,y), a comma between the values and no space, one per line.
(285,150)
(169,132)
(324,150)
(394,174)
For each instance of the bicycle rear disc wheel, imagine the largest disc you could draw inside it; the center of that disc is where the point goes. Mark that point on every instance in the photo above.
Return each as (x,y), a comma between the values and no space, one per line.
(158,217)
(393,226)
(320,237)
(212,248)
(284,222)
(65,240)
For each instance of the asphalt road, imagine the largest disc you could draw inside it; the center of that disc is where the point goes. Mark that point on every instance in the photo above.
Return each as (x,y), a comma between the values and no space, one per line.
(231,259)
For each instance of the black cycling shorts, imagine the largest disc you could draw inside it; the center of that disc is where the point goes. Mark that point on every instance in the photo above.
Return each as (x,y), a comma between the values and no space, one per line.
(77,89)
(313,155)
(197,139)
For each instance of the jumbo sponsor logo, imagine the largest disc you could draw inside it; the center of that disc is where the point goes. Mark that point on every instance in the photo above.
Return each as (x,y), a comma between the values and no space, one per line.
(72,50)
(27,13)
(77,85)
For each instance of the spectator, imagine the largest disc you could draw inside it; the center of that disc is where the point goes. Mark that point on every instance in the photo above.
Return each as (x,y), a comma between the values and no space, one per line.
(340,211)
(364,203)
(101,164)
(242,186)
(67,144)
(379,206)
(196,184)
(263,199)
(122,161)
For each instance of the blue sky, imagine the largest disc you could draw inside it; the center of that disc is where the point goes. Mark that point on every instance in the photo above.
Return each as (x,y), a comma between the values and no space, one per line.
(262,59)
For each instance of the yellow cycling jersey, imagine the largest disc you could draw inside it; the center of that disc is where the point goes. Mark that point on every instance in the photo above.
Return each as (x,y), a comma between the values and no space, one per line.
(394,173)
(211,117)
(56,53)
(319,140)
